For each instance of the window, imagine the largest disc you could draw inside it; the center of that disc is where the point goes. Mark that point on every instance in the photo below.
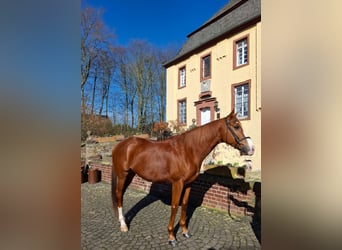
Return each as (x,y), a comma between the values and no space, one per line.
(182,77)
(205,67)
(241,99)
(241,52)
(182,111)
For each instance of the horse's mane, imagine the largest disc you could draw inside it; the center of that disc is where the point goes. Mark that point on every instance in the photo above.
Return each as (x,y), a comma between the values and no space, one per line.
(198,130)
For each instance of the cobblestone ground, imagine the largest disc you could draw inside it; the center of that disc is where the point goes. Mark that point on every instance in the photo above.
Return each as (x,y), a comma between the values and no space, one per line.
(149,217)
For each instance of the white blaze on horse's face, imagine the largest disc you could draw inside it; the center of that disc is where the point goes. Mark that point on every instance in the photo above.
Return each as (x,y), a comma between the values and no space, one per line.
(251,147)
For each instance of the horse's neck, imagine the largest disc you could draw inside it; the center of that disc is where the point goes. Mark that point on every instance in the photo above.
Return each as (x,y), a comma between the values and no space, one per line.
(204,140)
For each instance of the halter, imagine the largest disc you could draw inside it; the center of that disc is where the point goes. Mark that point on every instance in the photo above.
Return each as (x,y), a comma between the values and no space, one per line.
(236,138)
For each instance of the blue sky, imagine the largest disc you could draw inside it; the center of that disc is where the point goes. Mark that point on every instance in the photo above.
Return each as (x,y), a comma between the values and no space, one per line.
(160,22)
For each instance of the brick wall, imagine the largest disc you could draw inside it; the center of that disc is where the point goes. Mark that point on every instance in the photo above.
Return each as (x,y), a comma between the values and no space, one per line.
(235,196)
(106,172)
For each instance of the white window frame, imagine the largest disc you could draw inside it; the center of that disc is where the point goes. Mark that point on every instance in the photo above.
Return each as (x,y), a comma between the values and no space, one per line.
(182,77)
(182,111)
(242,100)
(206,61)
(242,52)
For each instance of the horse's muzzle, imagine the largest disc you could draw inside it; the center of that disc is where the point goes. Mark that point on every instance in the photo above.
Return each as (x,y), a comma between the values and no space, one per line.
(247,150)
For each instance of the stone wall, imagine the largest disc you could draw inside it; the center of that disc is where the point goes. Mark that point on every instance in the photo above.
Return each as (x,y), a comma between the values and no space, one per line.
(98,150)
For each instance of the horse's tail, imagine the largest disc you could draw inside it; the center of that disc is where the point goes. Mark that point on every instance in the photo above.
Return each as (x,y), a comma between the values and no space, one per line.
(114,199)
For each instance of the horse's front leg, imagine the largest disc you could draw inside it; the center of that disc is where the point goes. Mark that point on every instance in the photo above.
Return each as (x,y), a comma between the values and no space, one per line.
(182,220)
(177,188)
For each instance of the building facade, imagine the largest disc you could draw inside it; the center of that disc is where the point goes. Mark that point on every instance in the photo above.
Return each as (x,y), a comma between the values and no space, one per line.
(218,69)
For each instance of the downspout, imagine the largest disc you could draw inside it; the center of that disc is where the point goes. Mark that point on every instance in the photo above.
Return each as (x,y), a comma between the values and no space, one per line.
(256,68)
(257,107)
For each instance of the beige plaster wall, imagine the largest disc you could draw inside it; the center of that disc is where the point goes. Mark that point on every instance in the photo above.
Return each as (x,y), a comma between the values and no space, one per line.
(222,77)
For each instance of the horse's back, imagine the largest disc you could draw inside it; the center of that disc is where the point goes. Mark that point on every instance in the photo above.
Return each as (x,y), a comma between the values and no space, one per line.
(123,149)
(129,142)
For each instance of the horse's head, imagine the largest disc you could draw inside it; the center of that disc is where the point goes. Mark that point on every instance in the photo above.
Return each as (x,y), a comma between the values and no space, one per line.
(235,136)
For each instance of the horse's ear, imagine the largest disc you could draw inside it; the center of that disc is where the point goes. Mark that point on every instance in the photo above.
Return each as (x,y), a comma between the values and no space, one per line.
(231,113)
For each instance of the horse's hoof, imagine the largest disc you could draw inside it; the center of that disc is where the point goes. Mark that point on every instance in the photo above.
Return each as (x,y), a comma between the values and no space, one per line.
(124,229)
(173,242)
(187,235)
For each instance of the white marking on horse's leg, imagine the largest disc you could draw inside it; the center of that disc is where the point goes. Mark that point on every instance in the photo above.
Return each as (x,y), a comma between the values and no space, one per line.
(251,147)
(123,225)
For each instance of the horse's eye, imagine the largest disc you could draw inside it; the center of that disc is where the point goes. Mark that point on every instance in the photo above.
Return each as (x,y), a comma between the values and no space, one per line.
(237,126)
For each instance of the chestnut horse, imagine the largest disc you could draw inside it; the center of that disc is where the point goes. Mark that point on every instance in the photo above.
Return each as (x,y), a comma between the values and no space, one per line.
(176,160)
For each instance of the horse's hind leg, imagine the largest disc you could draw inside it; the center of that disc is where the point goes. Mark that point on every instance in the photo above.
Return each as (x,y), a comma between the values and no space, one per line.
(120,184)
(129,178)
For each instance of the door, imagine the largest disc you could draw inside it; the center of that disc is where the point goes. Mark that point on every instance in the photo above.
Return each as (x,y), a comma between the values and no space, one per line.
(205,116)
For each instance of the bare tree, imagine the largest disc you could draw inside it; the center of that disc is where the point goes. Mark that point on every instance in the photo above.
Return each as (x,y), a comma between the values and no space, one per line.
(94,89)
(89,22)
(137,99)
(142,81)
(140,53)
(127,85)
(96,41)
(95,37)
(107,65)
